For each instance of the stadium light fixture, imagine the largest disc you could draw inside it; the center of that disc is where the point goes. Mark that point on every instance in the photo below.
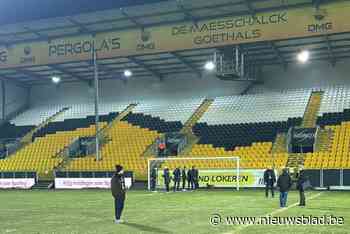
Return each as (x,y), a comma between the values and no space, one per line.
(127,73)
(303,56)
(209,66)
(56,79)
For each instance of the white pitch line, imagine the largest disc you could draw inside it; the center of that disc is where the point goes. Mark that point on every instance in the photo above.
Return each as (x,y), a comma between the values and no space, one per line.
(240,228)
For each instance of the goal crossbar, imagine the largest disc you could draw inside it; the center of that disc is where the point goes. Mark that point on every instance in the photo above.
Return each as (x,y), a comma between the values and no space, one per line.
(237,159)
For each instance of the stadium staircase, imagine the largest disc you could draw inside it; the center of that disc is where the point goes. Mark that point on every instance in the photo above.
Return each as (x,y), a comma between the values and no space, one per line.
(118,118)
(310,115)
(309,121)
(104,132)
(29,136)
(196,116)
(280,144)
(43,185)
(295,160)
(187,129)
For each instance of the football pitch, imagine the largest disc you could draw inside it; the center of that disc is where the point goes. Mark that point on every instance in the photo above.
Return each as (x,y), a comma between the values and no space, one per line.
(92,211)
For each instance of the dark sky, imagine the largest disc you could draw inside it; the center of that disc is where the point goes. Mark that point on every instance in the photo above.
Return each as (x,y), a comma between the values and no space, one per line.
(15,11)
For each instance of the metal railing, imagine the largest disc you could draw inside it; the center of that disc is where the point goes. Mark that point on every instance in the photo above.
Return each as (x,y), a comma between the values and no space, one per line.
(18,174)
(328,177)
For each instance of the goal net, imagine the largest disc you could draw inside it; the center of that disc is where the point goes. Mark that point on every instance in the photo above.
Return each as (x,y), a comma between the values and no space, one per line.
(212,171)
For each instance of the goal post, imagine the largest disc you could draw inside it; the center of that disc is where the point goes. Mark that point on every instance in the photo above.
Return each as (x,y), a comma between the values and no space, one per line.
(205,165)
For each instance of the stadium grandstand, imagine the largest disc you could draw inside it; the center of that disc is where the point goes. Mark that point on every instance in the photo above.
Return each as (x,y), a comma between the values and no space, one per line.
(229,88)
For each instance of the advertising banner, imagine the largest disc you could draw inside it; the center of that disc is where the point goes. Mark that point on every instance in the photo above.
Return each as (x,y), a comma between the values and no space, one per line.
(17,183)
(83,183)
(274,25)
(248,178)
(303,136)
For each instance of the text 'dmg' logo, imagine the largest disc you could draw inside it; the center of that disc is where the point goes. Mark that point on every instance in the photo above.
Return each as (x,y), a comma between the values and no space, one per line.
(146,41)
(3,56)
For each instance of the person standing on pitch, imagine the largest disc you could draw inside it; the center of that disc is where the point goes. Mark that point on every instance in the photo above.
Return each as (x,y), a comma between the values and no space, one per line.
(301,184)
(177,179)
(284,183)
(154,179)
(189,179)
(166,176)
(269,181)
(194,179)
(184,177)
(118,192)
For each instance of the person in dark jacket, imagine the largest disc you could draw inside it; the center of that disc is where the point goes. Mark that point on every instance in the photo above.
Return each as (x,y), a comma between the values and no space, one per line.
(118,192)
(269,181)
(197,178)
(184,177)
(284,183)
(189,179)
(195,184)
(166,176)
(177,179)
(301,187)
(154,179)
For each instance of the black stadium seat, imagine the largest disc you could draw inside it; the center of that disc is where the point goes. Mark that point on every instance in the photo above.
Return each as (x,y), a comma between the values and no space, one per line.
(334,118)
(231,135)
(153,123)
(73,124)
(10,131)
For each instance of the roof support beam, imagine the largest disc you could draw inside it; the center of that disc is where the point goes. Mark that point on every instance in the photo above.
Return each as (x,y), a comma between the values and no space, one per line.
(109,70)
(15,82)
(33,31)
(250,7)
(29,73)
(188,15)
(75,76)
(188,64)
(330,51)
(82,27)
(134,21)
(278,54)
(317,3)
(36,33)
(144,66)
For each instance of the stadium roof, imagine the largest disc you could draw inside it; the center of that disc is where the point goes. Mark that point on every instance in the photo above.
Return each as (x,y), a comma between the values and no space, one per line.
(332,47)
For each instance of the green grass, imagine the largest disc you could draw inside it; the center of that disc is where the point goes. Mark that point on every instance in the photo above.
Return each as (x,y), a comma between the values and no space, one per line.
(92,211)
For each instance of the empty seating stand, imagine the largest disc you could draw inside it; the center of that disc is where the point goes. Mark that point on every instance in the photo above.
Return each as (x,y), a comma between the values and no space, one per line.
(231,135)
(36,115)
(335,118)
(153,123)
(11,131)
(72,124)
(77,115)
(163,116)
(241,120)
(335,106)
(83,110)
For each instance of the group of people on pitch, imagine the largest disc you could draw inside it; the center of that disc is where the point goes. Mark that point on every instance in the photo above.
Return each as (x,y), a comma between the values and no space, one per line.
(189,177)
(284,183)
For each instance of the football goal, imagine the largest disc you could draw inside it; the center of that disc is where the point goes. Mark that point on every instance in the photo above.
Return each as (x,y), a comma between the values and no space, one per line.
(212,171)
